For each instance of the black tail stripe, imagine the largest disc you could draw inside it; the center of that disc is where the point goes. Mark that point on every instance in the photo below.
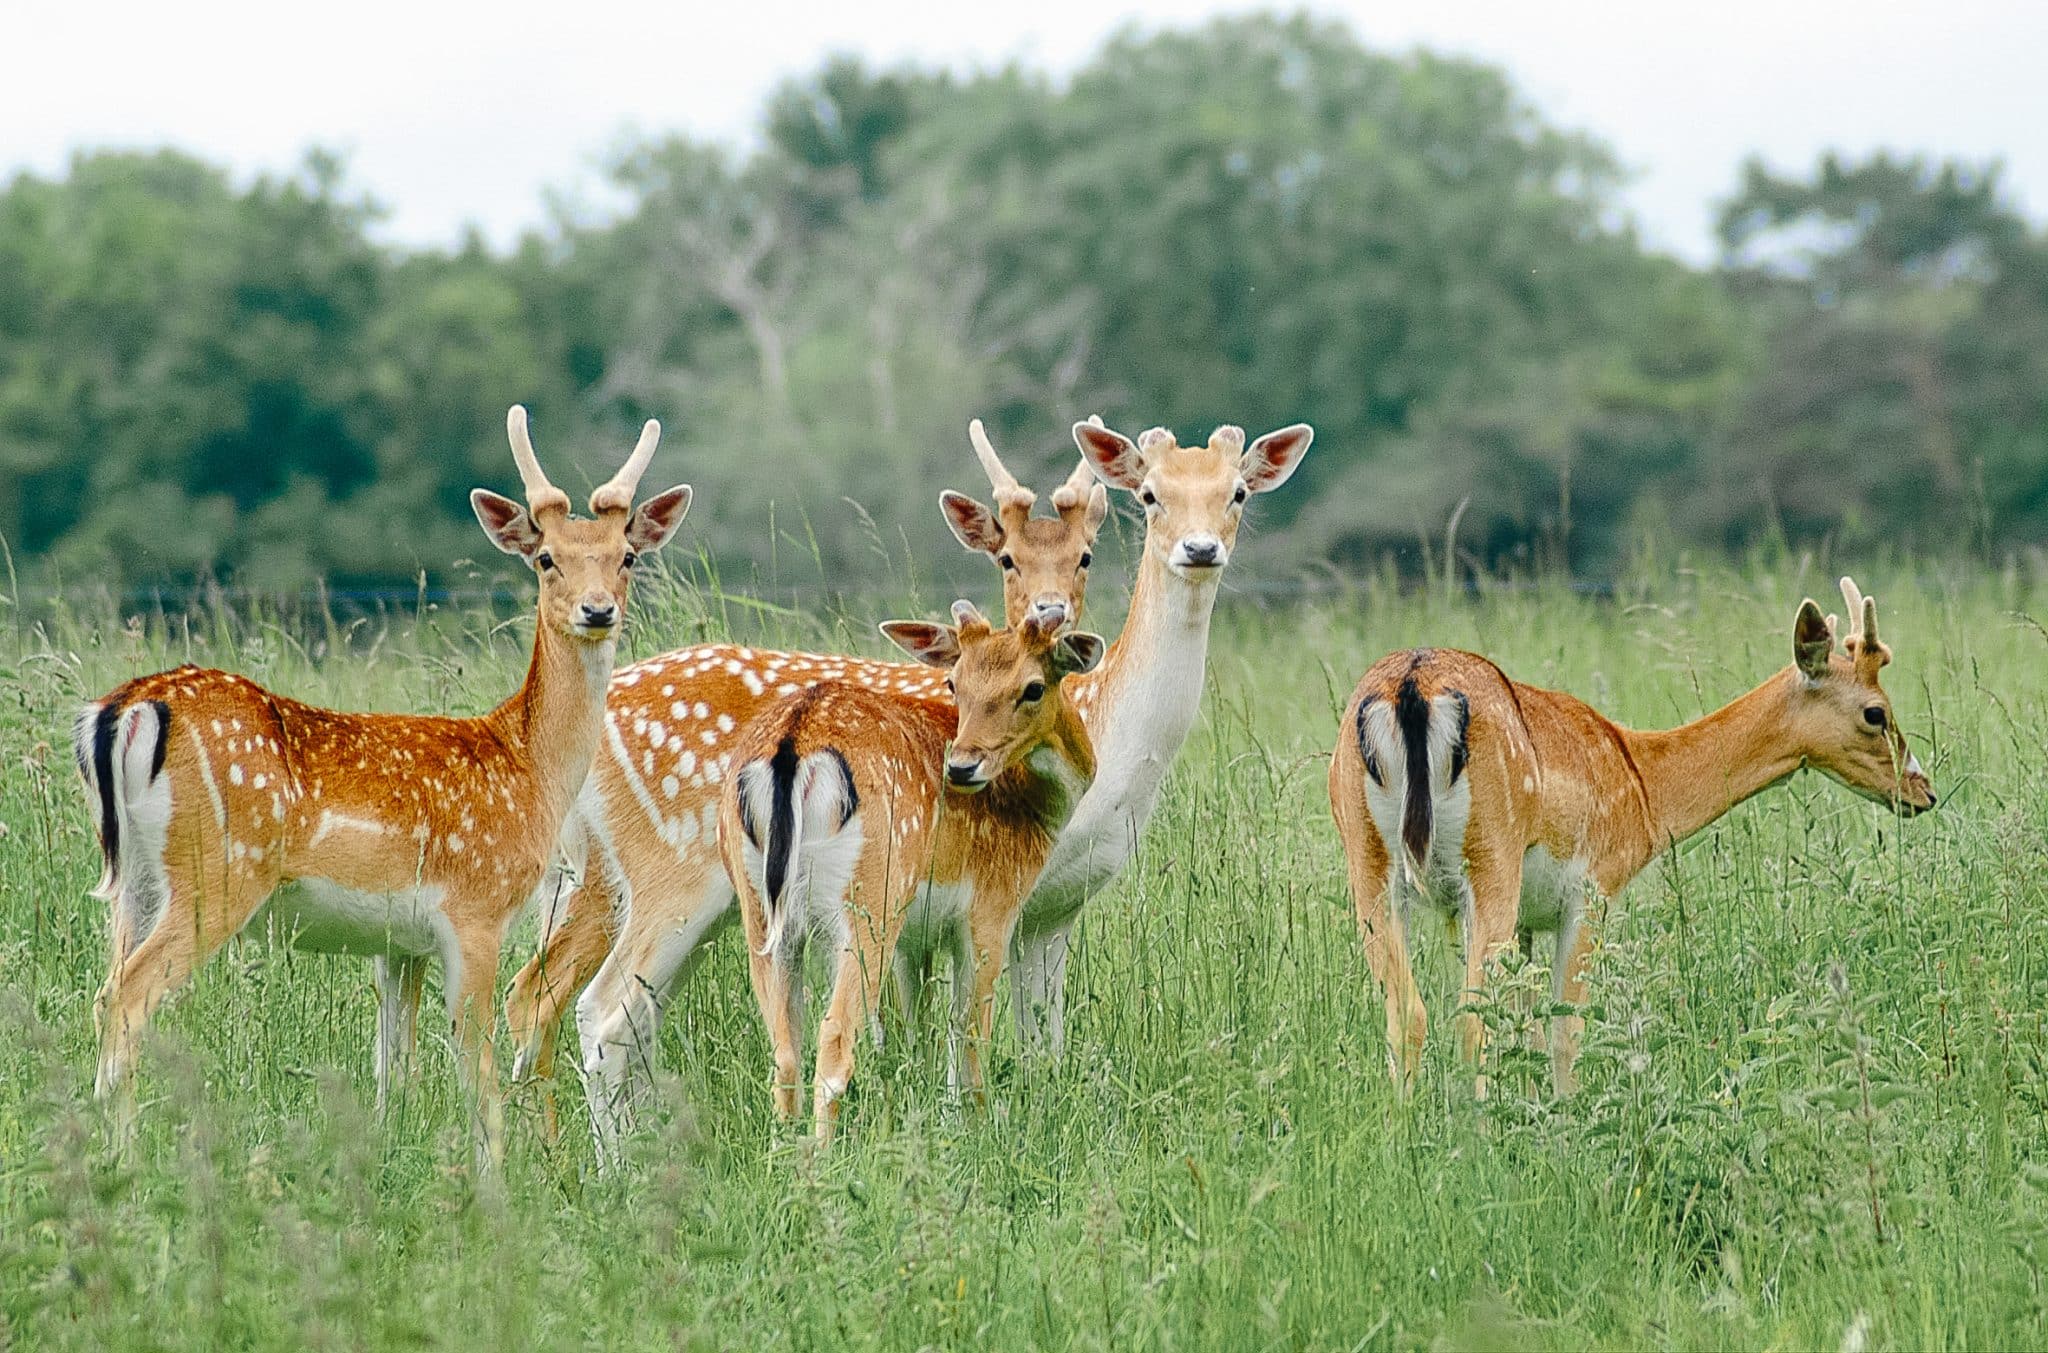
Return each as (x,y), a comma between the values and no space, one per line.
(782,770)
(1372,759)
(103,730)
(163,739)
(1458,743)
(1411,715)
(849,799)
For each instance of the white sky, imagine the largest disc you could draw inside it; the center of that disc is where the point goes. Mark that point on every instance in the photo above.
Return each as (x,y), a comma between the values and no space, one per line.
(458,113)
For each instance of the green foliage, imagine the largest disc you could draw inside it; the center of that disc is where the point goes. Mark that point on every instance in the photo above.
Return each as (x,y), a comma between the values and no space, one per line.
(1256,221)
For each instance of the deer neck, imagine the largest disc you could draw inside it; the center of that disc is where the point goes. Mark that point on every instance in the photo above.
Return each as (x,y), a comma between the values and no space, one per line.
(1141,702)
(1138,707)
(1696,772)
(557,715)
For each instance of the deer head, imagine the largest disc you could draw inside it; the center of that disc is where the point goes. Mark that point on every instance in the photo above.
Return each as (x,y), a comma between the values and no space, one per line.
(1841,718)
(584,565)
(1193,497)
(1044,559)
(1004,684)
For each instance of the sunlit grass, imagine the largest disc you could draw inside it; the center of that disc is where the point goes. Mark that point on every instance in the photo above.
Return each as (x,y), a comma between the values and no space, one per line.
(1815,1079)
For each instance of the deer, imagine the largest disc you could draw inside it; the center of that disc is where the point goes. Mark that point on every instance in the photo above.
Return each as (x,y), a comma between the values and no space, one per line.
(1043,563)
(652,892)
(1513,810)
(852,812)
(223,807)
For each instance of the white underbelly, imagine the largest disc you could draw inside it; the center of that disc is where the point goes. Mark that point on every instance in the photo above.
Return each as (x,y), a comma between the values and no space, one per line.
(937,919)
(322,917)
(1553,890)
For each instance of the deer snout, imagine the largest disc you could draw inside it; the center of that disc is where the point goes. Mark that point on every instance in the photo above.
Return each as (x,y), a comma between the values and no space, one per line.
(1049,612)
(966,772)
(594,615)
(1200,552)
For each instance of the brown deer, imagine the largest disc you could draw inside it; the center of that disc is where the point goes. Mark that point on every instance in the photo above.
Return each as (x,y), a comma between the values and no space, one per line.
(1505,806)
(646,824)
(835,822)
(392,836)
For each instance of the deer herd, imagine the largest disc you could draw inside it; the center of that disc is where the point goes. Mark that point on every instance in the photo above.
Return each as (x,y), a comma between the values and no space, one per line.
(964,805)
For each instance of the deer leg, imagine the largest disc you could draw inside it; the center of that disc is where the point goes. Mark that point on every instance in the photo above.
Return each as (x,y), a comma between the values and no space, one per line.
(472,979)
(1493,899)
(976,969)
(618,1016)
(778,978)
(400,978)
(1374,888)
(1568,985)
(1038,989)
(873,919)
(146,970)
(572,949)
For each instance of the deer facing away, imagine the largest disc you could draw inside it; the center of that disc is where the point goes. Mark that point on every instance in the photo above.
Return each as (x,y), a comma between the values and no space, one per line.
(1503,805)
(835,822)
(220,803)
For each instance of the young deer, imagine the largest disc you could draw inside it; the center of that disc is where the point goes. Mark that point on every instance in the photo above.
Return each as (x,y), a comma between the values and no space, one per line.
(646,812)
(833,823)
(645,825)
(1501,804)
(393,836)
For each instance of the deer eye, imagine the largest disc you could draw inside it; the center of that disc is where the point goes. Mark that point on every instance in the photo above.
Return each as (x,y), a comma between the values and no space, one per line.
(1874,715)
(544,559)
(1004,561)
(1087,558)
(1033,693)
(630,560)
(1148,498)
(1241,494)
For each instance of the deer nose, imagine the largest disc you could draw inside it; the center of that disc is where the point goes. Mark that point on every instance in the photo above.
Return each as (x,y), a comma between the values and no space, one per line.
(964,773)
(1201,551)
(1049,611)
(599,615)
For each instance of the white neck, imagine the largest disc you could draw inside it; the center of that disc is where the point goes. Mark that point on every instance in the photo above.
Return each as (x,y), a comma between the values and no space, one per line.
(1138,708)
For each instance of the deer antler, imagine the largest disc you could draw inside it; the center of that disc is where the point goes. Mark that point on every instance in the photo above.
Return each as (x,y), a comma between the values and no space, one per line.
(1863,645)
(541,495)
(616,493)
(1009,493)
(1151,437)
(967,616)
(1074,492)
(1852,597)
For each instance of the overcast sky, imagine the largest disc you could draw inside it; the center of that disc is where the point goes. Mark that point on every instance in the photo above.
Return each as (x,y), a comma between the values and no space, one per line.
(452,114)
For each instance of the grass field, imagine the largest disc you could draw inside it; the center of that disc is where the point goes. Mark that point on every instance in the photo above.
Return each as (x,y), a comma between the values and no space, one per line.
(1814,1084)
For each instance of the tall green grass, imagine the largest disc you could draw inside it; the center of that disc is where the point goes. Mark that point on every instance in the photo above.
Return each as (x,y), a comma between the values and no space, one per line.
(1815,1077)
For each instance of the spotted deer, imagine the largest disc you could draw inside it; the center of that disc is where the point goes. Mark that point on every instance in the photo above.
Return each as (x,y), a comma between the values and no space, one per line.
(839,822)
(1508,808)
(645,825)
(652,890)
(222,805)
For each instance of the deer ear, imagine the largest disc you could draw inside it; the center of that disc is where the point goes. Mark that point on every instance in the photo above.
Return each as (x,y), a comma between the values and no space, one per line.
(1077,652)
(973,525)
(1098,511)
(932,644)
(654,522)
(1116,461)
(1273,457)
(1813,641)
(508,524)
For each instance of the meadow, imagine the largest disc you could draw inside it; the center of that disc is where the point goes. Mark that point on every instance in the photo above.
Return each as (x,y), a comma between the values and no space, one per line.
(1814,1110)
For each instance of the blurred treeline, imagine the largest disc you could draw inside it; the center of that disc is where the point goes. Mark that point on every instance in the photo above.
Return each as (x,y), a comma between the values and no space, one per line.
(1255,222)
